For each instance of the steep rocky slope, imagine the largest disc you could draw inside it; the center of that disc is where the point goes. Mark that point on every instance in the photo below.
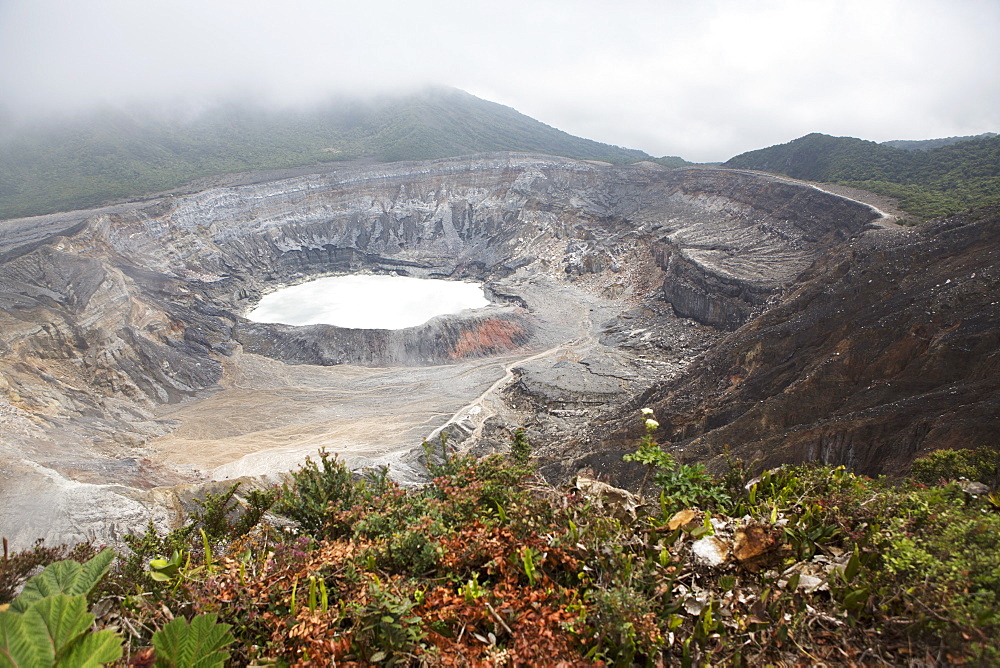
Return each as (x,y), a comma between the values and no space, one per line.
(888,348)
(127,365)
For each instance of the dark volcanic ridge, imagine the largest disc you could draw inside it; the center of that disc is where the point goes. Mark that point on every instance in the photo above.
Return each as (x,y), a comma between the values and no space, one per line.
(128,367)
(886,349)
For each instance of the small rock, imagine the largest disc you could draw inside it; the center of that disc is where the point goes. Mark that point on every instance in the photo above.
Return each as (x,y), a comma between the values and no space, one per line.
(710,551)
(719,525)
(812,576)
(973,488)
(694,606)
(809,582)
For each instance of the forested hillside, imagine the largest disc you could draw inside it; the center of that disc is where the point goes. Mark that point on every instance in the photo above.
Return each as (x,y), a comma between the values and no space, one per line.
(928,144)
(121,155)
(927,183)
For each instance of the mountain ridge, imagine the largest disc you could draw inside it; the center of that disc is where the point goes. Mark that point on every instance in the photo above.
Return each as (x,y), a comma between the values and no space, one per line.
(115,155)
(927,144)
(928,183)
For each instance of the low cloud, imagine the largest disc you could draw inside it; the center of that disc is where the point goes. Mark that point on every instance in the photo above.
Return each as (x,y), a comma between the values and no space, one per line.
(704,80)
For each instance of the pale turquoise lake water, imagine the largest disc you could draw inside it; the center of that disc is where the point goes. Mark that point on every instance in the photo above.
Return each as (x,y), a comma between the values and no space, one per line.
(368,302)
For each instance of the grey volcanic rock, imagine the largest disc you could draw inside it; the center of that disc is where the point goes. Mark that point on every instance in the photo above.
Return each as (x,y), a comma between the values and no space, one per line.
(444,339)
(114,323)
(886,350)
(83,334)
(723,270)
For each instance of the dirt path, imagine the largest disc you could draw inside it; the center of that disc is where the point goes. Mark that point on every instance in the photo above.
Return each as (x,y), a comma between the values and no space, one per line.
(887,207)
(268,416)
(489,404)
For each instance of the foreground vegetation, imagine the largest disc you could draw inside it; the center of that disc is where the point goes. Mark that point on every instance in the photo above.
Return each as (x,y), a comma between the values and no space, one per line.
(938,181)
(487,565)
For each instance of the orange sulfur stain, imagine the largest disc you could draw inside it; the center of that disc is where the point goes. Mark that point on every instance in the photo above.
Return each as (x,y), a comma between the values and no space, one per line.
(490,336)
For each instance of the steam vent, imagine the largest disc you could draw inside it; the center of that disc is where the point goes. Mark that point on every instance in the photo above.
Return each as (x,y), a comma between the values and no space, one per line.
(740,306)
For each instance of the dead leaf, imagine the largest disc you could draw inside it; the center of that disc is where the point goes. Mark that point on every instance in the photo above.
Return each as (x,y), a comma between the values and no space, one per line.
(682,518)
(754,545)
(143,658)
(621,503)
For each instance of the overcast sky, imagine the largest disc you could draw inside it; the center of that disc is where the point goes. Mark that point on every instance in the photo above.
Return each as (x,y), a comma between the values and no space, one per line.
(703,79)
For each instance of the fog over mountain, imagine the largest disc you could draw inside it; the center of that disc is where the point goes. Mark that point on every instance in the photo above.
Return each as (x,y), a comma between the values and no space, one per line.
(703,80)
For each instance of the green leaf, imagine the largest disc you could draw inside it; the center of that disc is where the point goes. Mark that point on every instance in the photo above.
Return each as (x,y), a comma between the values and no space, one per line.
(93,572)
(57,578)
(64,577)
(16,648)
(700,531)
(851,570)
(198,645)
(54,622)
(93,649)
(856,599)
(53,632)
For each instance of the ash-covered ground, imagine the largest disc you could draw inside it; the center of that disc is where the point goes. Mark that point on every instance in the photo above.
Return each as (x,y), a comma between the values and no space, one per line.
(131,378)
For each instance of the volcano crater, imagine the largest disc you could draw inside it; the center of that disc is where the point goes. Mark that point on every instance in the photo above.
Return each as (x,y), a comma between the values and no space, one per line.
(130,373)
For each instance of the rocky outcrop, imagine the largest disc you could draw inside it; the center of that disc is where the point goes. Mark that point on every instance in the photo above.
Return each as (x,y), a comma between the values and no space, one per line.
(713,298)
(444,339)
(82,337)
(887,349)
(723,270)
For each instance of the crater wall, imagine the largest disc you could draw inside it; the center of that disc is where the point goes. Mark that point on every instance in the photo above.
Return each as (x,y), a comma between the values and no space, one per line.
(108,316)
(886,350)
(141,302)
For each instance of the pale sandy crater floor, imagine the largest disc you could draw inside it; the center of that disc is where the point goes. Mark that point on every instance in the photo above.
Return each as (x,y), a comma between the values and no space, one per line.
(267,416)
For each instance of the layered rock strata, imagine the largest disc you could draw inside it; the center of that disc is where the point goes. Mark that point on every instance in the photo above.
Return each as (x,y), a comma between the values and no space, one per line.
(887,349)
(108,320)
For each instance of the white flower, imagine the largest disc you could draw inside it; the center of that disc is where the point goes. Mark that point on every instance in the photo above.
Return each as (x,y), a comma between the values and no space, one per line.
(652,425)
(647,411)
